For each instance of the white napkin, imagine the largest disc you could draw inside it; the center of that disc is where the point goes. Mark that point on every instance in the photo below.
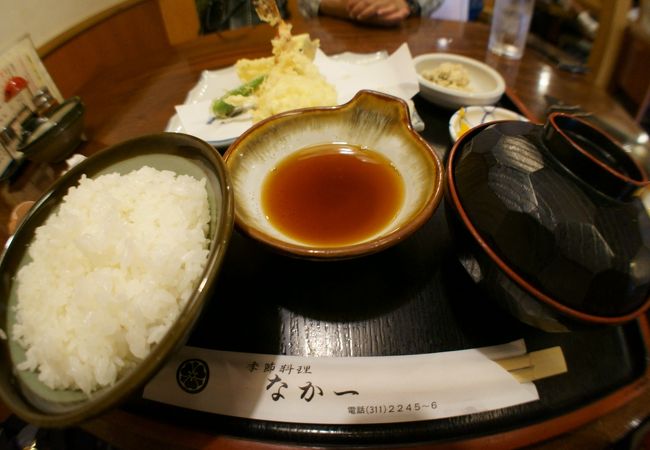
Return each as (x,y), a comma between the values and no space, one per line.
(394,75)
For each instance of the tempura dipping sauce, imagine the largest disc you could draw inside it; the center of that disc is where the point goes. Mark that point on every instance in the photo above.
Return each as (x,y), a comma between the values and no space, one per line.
(332,194)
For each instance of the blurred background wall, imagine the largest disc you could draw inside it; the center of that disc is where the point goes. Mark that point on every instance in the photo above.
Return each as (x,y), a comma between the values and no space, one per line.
(45,19)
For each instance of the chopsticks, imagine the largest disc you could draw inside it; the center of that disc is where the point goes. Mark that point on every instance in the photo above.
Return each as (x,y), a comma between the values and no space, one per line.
(535,365)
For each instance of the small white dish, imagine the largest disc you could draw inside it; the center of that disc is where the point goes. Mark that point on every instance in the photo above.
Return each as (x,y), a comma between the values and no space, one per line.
(467,118)
(486,85)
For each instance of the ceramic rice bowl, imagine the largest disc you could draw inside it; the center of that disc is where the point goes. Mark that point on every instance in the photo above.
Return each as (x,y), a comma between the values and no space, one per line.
(21,391)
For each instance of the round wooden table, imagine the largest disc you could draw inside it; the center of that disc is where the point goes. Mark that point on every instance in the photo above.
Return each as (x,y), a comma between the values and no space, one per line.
(139,98)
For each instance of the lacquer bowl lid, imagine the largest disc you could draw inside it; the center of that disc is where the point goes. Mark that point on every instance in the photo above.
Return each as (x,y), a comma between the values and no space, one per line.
(556,208)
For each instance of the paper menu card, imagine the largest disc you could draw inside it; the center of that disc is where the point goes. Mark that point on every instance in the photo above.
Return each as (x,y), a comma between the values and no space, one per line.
(22,60)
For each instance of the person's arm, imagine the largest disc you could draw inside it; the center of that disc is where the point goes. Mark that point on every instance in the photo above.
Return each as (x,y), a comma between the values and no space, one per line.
(335,8)
(376,12)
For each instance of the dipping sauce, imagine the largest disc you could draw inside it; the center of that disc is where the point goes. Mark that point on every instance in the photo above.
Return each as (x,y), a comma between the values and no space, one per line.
(332,194)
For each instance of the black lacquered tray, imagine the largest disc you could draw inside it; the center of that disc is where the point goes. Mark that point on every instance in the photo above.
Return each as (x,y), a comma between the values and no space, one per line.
(411,299)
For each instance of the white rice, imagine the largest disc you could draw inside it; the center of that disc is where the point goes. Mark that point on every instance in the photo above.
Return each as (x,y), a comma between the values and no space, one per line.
(111,271)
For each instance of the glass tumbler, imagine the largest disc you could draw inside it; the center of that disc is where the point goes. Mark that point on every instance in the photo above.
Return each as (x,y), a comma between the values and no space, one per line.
(509,28)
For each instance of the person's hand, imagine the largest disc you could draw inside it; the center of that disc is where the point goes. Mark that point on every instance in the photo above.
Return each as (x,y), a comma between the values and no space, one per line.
(378,12)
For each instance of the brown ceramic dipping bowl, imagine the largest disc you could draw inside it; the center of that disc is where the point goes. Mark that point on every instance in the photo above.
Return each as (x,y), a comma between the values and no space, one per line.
(548,222)
(21,391)
(371,121)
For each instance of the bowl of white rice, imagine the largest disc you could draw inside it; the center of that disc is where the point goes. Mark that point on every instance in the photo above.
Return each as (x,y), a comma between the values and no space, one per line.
(107,274)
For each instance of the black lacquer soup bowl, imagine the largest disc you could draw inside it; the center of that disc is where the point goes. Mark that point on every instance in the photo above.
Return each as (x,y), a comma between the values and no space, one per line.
(548,219)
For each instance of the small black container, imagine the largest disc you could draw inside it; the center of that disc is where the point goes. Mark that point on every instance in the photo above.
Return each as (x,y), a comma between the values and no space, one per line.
(57,136)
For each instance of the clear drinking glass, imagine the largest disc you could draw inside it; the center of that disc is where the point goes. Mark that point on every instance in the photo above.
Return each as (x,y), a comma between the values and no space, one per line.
(510,25)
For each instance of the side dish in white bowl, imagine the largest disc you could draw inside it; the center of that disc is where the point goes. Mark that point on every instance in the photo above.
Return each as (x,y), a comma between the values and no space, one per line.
(451,81)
